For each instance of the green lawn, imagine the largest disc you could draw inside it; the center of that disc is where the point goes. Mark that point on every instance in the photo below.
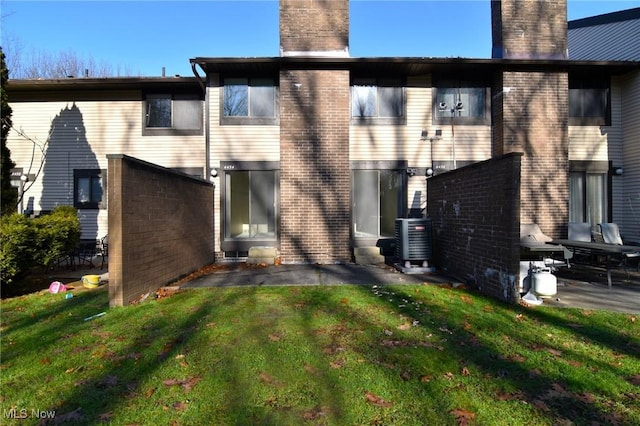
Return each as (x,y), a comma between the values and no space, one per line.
(343,355)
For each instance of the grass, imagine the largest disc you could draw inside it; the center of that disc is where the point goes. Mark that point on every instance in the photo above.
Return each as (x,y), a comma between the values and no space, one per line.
(343,355)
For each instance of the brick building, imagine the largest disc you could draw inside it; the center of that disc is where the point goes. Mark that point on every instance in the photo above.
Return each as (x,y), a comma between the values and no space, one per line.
(316,153)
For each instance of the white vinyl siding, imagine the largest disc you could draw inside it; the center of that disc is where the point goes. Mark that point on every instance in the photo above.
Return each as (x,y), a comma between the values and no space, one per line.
(243,142)
(78,133)
(402,142)
(628,213)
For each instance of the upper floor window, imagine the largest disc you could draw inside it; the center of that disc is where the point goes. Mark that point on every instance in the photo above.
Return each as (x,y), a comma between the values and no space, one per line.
(89,191)
(249,101)
(589,102)
(377,100)
(172,114)
(464,102)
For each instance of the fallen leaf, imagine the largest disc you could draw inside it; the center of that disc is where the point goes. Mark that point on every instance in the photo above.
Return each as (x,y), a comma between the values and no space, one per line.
(463,417)
(376,400)
(516,358)
(105,417)
(586,397)
(634,380)
(540,405)
(190,383)
(425,378)
(554,352)
(179,406)
(274,337)
(313,414)
(187,384)
(465,371)
(266,378)
(45,361)
(448,375)
(405,375)
(466,299)
(149,392)
(337,364)
(633,318)
(310,369)
(405,326)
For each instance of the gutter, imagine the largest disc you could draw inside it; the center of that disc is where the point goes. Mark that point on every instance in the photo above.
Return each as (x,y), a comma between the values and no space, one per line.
(198,77)
(207,140)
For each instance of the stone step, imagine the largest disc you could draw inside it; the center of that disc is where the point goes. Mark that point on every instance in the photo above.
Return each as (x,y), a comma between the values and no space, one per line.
(368,256)
(262,254)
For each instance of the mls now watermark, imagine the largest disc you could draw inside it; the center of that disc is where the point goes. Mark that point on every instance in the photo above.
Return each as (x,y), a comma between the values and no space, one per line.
(23,413)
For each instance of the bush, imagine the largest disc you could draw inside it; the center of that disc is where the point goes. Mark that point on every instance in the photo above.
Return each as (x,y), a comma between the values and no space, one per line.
(57,235)
(18,246)
(36,242)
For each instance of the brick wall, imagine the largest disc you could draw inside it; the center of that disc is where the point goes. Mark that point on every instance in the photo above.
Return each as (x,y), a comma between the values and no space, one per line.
(535,29)
(476,224)
(530,109)
(160,227)
(314,166)
(314,25)
(535,122)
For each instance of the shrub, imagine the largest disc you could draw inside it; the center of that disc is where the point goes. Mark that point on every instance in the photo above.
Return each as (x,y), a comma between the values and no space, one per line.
(57,235)
(36,242)
(18,246)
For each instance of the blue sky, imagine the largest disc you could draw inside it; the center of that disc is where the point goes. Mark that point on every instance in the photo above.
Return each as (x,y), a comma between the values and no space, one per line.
(144,36)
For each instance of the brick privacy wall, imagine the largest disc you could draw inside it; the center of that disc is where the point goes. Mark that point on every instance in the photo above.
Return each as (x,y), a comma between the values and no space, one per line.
(314,25)
(535,29)
(476,226)
(160,227)
(533,119)
(314,166)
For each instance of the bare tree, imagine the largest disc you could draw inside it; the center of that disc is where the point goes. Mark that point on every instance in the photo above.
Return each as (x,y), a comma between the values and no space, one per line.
(33,64)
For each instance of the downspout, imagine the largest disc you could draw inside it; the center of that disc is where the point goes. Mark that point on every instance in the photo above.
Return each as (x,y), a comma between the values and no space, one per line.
(203,86)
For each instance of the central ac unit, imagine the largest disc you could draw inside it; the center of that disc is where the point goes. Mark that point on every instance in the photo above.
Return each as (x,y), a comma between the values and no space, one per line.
(413,239)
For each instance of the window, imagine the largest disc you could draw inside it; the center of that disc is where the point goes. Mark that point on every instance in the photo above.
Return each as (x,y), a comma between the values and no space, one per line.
(377,100)
(589,101)
(178,114)
(461,102)
(250,204)
(89,190)
(249,101)
(378,199)
(589,192)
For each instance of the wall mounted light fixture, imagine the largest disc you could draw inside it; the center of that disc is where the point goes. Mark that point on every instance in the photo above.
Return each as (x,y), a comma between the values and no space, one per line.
(618,171)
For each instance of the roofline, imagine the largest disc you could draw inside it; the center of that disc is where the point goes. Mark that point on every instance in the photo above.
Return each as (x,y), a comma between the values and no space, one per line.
(103,83)
(406,65)
(607,18)
(426,64)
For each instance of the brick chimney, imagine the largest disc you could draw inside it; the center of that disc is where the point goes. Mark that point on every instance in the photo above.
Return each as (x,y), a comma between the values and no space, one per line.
(314,133)
(529,29)
(314,27)
(530,107)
